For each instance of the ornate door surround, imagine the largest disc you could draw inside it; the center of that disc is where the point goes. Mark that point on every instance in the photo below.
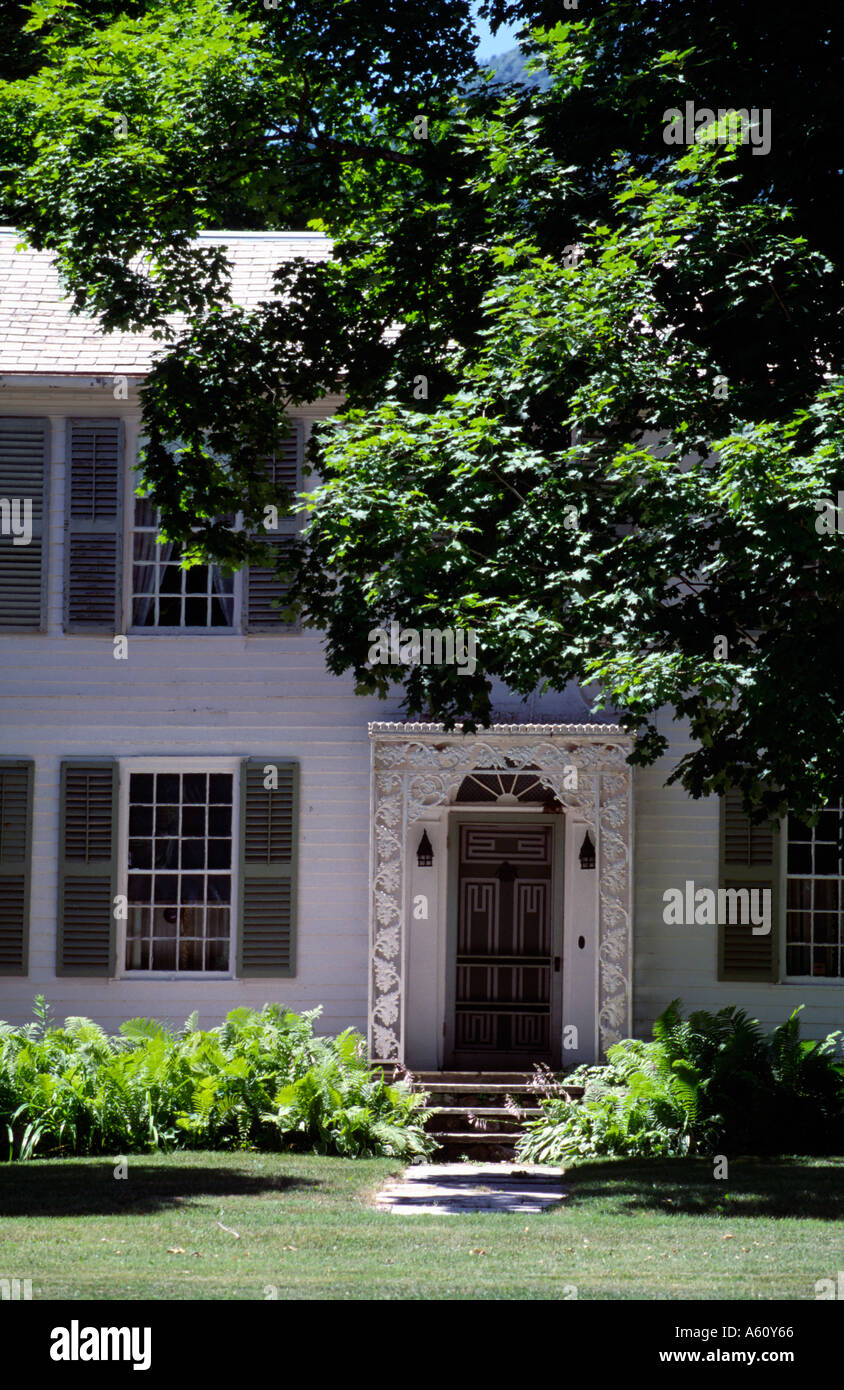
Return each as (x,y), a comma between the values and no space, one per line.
(416,767)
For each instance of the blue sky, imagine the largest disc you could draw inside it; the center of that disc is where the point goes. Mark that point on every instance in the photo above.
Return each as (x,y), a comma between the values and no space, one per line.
(488,45)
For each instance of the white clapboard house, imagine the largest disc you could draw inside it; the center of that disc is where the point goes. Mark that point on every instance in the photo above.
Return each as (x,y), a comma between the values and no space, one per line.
(481,902)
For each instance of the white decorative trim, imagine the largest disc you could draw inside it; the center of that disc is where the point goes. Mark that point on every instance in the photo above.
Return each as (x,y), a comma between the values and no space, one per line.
(416,767)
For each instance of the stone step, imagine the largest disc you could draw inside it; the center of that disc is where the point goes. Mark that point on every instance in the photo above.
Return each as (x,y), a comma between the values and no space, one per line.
(530,1113)
(497,1145)
(479,1121)
(483,1077)
(454,1096)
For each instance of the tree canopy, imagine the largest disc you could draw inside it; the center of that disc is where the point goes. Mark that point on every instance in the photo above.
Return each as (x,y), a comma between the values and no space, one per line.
(592,380)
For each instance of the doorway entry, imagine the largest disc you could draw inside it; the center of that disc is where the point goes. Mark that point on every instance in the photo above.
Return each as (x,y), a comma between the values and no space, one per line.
(505,944)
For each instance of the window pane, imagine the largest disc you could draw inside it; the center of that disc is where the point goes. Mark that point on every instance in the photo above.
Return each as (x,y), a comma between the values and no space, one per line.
(219,820)
(826,893)
(219,854)
(219,888)
(168,788)
(164,955)
(221,612)
(140,786)
(827,826)
(144,547)
(140,888)
(140,854)
(166,888)
(220,789)
(195,787)
(193,820)
(799,859)
(217,954)
(196,612)
(166,854)
(799,892)
(140,820)
(145,513)
(170,612)
(167,820)
(196,580)
(190,955)
(193,854)
(798,830)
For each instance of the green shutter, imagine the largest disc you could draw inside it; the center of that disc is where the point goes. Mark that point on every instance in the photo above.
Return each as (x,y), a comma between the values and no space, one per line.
(749,858)
(87,863)
(263,588)
(16,778)
(94,525)
(24,457)
(269,834)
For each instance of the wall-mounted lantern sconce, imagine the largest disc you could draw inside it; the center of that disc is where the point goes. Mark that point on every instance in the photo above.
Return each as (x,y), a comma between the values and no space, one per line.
(425,852)
(587,853)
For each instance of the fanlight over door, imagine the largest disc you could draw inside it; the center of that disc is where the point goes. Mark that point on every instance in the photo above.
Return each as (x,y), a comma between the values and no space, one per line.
(505,789)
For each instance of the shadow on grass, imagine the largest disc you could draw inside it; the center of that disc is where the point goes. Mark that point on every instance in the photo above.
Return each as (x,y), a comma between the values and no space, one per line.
(42,1188)
(753,1187)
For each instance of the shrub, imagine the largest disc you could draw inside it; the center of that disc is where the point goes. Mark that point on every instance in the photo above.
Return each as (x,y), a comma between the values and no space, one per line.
(260,1079)
(712,1082)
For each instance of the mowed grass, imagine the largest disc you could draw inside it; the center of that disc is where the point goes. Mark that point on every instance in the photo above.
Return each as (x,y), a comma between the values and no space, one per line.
(305,1228)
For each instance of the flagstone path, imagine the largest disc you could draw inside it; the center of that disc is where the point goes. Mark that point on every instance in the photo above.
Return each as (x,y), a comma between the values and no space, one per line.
(443,1189)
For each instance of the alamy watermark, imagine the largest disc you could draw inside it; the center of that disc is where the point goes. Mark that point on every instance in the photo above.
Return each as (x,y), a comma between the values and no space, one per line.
(699,126)
(706,907)
(429,647)
(16,519)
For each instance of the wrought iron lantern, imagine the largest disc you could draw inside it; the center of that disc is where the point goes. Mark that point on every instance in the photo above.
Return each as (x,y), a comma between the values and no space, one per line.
(587,853)
(425,852)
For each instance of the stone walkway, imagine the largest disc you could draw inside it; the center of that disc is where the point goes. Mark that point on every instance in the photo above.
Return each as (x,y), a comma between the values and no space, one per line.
(441,1189)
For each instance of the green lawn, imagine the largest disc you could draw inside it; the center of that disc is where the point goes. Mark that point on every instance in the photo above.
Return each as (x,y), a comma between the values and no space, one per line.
(306,1227)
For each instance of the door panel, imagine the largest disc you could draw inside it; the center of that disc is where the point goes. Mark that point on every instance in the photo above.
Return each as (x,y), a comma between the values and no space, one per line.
(505,978)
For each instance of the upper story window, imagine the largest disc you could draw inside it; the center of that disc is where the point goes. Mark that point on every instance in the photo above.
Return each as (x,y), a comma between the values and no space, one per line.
(164,594)
(117,577)
(814,900)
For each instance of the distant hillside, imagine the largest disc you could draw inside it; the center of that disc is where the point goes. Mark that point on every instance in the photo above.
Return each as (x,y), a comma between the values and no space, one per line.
(510,67)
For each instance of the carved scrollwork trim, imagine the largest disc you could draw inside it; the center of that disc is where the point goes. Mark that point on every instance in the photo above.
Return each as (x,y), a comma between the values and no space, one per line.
(418,767)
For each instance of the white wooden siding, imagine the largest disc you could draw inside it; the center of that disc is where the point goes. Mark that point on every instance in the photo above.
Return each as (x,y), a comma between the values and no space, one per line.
(677,839)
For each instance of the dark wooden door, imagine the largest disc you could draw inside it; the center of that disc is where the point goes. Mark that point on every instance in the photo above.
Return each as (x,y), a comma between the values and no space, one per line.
(506,964)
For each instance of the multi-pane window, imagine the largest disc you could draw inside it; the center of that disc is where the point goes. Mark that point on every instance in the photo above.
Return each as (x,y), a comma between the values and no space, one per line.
(180,880)
(814,939)
(164,594)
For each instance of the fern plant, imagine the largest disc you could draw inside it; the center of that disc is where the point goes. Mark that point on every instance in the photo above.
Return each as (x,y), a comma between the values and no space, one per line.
(712,1082)
(260,1079)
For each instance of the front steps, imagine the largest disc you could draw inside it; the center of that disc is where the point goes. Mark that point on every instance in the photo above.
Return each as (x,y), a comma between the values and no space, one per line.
(480,1115)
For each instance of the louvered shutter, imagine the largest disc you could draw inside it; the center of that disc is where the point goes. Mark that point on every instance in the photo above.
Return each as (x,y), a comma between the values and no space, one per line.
(268,852)
(263,587)
(87,855)
(94,525)
(24,454)
(15,864)
(749,858)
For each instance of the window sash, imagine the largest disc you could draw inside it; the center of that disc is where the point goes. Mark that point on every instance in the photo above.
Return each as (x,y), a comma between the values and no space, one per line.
(197,764)
(808,918)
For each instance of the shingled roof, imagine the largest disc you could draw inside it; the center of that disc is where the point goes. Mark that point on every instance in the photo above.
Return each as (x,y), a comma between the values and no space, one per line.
(39,334)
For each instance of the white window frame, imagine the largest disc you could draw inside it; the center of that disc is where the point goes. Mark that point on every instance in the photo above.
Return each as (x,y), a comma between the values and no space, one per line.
(128,586)
(297,520)
(818,981)
(190,763)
